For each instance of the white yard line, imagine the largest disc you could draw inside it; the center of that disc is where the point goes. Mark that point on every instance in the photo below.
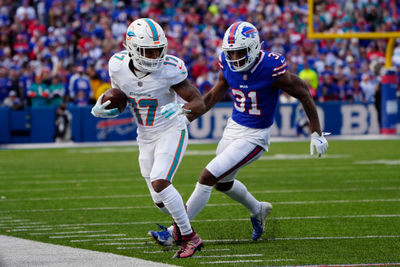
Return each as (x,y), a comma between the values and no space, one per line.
(75,232)
(300,156)
(121,243)
(226,256)
(80,188)
(354,189)
(114,180)
(307,238)
(339,201)
(43,229)
(24,224)
(268,239)
(238,261)
(202,251)
(75,198)
(128,248)
(244,261)
(369,181)
(107,239)
(306,202)
(381,161)
(72,236)
(40,228)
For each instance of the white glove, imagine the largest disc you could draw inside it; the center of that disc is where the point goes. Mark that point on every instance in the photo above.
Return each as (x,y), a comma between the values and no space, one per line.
(171,110)
(319,142)
(99,110)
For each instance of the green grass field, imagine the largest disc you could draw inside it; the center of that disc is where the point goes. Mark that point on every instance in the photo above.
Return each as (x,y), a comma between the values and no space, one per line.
(342,208)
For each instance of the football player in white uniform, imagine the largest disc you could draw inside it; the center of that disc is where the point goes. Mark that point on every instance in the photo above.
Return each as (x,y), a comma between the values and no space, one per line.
(151,79)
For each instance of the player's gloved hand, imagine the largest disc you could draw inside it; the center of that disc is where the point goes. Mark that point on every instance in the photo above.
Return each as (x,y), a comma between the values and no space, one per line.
(99,110)
(171,110)
(319,143)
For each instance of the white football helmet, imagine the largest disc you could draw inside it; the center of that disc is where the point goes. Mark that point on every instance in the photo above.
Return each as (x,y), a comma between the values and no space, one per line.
(143,37)
(241,36)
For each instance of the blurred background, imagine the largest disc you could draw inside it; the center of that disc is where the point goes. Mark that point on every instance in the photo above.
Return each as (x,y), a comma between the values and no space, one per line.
(54,63)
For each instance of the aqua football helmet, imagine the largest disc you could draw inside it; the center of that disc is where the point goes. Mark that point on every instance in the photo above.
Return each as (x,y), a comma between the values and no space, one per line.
(147,44)
(242,38)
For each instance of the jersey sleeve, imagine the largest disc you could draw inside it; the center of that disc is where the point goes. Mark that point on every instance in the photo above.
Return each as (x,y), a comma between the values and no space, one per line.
(114,65)
(175,70)
(277,64)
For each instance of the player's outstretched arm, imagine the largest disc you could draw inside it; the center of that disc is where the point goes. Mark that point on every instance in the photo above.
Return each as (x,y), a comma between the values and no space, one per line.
(195,104)
(213,96)
(296,87)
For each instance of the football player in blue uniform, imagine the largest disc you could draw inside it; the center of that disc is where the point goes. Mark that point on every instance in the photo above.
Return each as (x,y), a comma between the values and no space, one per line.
(254,78)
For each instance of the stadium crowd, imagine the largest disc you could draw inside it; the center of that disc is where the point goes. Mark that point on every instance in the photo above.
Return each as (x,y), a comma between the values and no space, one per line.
(55,51)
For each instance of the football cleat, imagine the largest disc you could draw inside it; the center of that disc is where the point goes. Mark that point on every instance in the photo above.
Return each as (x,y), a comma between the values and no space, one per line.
(163,238)
(258,220)
(189,247)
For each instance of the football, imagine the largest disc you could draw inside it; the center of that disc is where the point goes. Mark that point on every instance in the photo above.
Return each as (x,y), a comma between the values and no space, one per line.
(117,97)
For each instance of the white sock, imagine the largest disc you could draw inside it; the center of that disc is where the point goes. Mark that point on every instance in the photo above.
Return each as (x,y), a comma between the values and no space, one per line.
(164,210)
(239,193)
(174,203)
(198,200)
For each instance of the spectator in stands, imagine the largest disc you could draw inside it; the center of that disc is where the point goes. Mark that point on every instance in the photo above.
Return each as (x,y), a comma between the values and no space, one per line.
(56,91)
(95,79)
(38,92)
(357,94)
(368,87)
(200,67)
(328,89)
(5,84)
(13,101)
(79,87)
(25,11)
(310,76)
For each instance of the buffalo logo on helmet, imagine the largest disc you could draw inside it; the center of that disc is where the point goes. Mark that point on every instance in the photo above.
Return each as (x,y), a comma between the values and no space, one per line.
(249,32)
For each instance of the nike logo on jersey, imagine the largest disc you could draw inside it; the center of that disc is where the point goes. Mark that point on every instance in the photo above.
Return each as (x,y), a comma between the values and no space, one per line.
(282,60)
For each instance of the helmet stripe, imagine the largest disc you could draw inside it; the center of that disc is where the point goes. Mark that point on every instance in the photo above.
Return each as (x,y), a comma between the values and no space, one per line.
(153,30)
(231,39)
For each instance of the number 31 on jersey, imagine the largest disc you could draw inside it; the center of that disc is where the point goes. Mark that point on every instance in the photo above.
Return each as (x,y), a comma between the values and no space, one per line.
(240,101)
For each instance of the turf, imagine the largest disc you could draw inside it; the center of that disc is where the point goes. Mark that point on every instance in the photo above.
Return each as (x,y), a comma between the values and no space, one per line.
(342,208)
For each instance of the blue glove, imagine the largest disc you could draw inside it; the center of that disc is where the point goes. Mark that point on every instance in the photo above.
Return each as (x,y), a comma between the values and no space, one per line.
(319,143)
(171,110)
(99,110)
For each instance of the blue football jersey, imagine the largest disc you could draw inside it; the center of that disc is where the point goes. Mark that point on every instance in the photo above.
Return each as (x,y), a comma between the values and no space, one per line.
(254,99)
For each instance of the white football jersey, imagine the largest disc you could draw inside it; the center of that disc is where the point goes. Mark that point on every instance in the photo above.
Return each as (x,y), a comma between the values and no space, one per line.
(148,94)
